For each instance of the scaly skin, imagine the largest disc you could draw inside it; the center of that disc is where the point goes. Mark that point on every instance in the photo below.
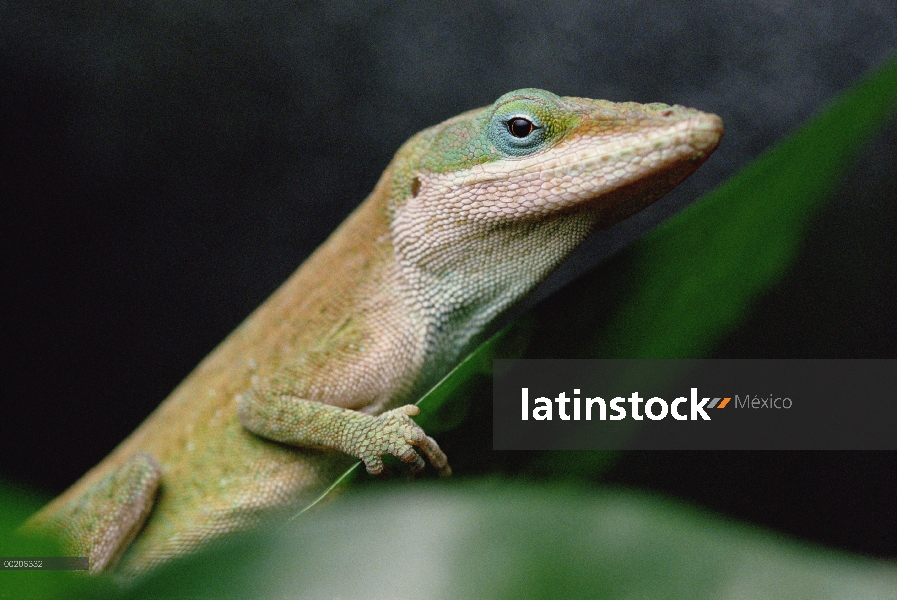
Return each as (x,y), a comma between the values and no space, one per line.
(469,216)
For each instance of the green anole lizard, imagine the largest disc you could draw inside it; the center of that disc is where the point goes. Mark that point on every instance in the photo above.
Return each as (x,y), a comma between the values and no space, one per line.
(469,216)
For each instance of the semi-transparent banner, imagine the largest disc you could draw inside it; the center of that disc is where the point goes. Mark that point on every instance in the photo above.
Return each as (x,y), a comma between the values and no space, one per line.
(763,404)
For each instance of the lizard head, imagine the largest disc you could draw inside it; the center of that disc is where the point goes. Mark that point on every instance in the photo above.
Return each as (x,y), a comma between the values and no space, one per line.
(483,206)
(533,154)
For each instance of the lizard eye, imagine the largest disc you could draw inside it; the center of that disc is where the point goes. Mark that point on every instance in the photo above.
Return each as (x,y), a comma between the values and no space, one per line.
(520,127)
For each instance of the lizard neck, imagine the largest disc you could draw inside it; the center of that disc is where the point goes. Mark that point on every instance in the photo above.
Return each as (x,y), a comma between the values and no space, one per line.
(455,299)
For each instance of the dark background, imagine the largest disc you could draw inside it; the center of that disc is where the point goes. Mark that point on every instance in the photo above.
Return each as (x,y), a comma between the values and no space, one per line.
(166,165)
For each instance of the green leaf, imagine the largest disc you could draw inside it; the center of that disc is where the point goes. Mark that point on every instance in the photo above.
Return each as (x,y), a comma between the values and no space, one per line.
(498,540)
(693,279)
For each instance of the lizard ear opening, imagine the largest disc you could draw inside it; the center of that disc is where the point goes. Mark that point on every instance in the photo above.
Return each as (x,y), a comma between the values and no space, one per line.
(415,187)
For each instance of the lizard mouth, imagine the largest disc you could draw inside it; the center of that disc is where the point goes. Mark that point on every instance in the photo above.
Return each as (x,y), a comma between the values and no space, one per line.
(635,154)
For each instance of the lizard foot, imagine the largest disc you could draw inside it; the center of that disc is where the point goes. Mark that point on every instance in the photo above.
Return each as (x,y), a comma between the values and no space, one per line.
(394,432)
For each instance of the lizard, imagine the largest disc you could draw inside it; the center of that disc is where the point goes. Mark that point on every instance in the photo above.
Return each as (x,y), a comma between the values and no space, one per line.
(469,216)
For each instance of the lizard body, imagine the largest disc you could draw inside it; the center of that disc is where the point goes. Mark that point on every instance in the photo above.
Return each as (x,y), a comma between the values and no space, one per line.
(469,216)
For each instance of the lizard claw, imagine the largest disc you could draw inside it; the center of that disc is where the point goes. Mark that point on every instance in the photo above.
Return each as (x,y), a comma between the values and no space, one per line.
(395,433)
